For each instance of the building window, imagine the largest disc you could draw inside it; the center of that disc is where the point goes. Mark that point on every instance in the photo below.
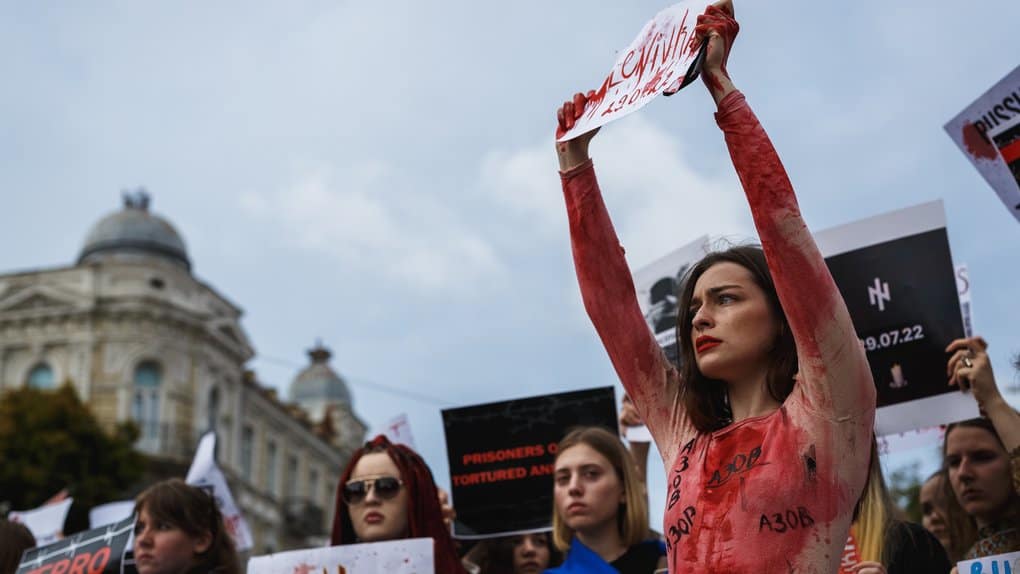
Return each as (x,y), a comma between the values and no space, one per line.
(41,377)
(292,476)
(271,468)
(313,485)
(213,409)
(145,405)
(247,448)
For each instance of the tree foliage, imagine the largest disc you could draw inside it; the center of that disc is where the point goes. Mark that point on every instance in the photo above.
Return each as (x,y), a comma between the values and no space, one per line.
(49,440)
(905,488)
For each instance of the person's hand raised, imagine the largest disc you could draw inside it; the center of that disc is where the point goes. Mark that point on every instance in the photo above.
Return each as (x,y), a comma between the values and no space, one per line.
(573,152)
(718,26)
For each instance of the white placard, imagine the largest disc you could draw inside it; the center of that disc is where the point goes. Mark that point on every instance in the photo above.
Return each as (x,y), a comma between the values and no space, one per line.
(655,62)
(998,564)
(45,522)
(110,513)
(963,286)
(639,433)
(988,133)
(398,430)
(205,473)
(407,556)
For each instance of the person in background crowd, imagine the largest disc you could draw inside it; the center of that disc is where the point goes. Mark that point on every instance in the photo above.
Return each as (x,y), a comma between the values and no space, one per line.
(386,493)
(15,539)
(600,517)
(179,529)
(982,456)
(882,542)
(956,537)
(521,554)
(765,426)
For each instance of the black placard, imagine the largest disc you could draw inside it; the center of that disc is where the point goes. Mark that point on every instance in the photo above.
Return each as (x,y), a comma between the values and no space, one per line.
(92,551)
(501,457)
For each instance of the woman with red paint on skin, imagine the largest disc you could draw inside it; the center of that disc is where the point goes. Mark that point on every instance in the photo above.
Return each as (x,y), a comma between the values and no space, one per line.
(982,456)
(766,428)
(387,493)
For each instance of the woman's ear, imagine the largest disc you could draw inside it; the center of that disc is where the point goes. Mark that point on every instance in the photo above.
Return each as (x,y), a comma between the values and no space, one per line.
(201,543)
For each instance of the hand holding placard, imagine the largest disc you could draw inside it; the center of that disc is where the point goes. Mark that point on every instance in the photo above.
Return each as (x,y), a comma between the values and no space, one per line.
(717,25)
(573,152)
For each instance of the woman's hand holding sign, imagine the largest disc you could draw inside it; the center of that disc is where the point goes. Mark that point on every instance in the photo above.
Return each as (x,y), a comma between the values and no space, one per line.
(573,153)
(719,27)
(969,365)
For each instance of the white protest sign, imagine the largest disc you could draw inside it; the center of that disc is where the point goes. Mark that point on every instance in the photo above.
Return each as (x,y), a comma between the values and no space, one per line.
(45,522)
(998,564)
(110,512)
(398,430)
(205,473)
(657,285)
(988,132)
(407,556)
(656,61)
(963,288)
(909,440)
(896,275)
(639,433)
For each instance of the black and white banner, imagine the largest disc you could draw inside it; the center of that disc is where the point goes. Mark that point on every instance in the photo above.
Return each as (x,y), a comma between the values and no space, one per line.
(896,274)
(97,551)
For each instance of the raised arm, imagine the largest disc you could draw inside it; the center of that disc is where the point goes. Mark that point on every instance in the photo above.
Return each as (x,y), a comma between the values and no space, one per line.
(969,366)
(608,290)
(832,363)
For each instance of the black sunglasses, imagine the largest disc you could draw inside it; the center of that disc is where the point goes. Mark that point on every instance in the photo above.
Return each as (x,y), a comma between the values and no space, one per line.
(386,487)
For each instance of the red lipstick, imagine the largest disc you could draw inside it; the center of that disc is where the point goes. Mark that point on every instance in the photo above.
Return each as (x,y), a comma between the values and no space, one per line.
(704,343)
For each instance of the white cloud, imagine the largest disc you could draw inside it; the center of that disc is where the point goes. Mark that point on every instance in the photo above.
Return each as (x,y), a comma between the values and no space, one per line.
(365,219)
(657,200)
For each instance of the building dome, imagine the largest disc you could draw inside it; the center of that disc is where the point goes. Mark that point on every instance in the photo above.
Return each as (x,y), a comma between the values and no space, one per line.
(134,231)
(318,383)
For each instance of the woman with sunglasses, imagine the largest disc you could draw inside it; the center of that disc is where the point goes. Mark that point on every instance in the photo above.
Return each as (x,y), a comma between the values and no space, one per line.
(387,493)
(765,426)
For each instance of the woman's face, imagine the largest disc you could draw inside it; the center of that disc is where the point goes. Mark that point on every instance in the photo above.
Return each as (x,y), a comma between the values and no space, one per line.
(979,472)
(733,327)
(933,509)
(162,548)
(588,493)
(531,553)
(381,512)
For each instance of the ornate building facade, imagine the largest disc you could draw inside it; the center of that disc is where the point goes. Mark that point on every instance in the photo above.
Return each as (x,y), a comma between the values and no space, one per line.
(141,338)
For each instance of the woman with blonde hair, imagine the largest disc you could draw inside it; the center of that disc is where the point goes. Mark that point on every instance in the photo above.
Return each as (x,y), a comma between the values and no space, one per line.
(600,517)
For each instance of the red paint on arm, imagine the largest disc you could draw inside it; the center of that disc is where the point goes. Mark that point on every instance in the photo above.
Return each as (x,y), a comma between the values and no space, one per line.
(611,302)
(832,365)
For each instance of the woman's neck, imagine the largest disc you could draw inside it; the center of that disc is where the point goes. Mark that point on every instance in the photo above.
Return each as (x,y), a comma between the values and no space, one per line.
(604,541)
(751,399)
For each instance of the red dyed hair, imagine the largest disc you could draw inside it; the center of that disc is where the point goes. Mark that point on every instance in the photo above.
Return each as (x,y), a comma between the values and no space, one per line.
(424,516)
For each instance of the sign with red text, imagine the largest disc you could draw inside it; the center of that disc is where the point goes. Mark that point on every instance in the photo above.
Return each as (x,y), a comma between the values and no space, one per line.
(407,556)
(988,133)
(501,458)
(96,551)
(658,290)
(663,58)
(896,275)
(205,473)
(398,430)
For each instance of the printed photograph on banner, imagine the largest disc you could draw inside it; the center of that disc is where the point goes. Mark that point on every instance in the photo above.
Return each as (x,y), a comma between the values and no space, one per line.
(407,556)
(501,458)
(663,58)
(895,273)
(658,288)
(988,133)
(97,551)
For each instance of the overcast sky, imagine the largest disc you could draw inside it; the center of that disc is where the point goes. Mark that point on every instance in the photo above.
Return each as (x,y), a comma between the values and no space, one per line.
(382,174)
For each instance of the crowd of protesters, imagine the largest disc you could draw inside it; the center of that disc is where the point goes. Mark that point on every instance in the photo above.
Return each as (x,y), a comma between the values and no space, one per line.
(770,370)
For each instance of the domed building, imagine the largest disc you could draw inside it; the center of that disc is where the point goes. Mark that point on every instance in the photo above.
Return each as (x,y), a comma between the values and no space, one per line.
(141,338)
